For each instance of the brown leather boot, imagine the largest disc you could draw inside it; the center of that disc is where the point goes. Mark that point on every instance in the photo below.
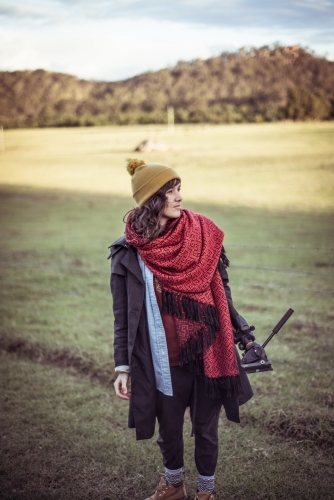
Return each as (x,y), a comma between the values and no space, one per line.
(166,491)
(204,495)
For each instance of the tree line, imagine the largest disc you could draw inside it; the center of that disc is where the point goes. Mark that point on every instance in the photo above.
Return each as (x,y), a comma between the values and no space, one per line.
(253,85)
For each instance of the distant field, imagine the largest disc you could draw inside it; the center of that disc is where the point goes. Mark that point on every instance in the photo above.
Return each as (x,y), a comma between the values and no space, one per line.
(276,166)
(63,194)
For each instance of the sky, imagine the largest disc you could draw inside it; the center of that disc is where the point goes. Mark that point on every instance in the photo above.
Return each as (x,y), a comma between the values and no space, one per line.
(117,39)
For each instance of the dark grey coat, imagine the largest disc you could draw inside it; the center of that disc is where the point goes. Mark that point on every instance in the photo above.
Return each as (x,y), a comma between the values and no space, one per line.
(131,339)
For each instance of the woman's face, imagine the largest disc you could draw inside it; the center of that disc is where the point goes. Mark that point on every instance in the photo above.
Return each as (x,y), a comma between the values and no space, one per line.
(173,204)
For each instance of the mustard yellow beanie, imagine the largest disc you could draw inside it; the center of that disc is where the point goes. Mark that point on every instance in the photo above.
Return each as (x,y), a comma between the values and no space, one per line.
(148,178)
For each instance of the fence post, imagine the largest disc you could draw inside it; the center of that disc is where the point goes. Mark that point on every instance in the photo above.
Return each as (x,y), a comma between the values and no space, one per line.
(170,118)
(2,140)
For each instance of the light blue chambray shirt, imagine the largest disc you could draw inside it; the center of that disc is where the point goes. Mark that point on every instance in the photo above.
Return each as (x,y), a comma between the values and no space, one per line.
(157,334)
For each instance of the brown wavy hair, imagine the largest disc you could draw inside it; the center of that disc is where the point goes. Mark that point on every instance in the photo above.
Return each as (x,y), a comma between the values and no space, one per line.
(145,220)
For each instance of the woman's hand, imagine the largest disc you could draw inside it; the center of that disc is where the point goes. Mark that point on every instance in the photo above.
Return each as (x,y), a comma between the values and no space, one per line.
(121,385)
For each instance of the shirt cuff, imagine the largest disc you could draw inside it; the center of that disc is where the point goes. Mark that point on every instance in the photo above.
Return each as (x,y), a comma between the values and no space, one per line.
(123,368)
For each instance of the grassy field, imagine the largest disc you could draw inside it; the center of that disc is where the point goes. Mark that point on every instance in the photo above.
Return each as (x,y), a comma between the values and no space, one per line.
(63,195)
(276,166)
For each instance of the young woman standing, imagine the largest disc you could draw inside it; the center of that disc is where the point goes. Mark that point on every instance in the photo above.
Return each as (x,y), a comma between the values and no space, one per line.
(174,322)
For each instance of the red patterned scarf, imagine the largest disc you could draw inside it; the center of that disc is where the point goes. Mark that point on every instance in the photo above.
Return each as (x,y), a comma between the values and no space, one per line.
(185,261)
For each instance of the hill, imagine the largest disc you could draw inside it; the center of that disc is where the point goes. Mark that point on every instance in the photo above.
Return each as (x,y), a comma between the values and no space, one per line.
(265,84)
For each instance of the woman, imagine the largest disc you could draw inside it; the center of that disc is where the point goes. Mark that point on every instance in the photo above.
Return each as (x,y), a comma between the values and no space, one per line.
(174,322)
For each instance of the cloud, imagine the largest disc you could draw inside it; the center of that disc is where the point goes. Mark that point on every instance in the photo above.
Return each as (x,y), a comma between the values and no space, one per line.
(118,49)
(116,39)
(108,50)
(298,14)
(39,10)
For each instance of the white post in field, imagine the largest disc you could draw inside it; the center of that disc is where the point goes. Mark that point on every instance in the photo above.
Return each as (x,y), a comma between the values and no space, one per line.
(2,140)
(170,118)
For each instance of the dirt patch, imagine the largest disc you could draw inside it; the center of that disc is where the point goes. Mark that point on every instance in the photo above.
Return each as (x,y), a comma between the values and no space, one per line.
(252,307)
(303,423)
(71,359)
(76,262)
(313,330)
(27,194)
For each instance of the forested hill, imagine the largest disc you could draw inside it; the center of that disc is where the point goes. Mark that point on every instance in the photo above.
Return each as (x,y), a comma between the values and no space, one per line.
(264,84)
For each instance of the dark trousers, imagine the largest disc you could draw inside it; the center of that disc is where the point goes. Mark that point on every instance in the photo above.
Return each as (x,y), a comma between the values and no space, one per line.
(188,390)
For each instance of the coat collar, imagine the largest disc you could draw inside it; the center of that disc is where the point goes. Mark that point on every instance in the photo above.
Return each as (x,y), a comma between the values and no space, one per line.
(117,245)
(130,260)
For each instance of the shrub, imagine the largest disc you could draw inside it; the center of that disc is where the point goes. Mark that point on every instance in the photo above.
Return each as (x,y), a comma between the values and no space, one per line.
(303,104)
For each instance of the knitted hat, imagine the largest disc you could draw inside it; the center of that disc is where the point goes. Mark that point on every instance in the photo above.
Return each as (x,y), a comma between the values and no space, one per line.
(148,178)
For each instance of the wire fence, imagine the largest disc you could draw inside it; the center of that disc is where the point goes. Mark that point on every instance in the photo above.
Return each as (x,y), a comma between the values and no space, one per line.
(85,268)
(287,247)
(303,324)
(280,287)
(241,245)
(72,290)
(80,267)
(302,364)
(289,271)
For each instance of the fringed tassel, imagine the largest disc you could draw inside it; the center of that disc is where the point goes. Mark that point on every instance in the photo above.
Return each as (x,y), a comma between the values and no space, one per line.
(192,309)
(192,348)
(190,352)
(211,316)
(172,304)
(194,365)
(228,386)
(186,308)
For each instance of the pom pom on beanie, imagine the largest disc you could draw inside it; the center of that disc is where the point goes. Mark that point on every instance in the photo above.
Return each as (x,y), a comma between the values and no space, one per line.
(133,164)
(148,178)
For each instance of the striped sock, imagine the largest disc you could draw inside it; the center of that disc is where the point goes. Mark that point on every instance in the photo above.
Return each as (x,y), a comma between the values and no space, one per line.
(206,483)
(174,477)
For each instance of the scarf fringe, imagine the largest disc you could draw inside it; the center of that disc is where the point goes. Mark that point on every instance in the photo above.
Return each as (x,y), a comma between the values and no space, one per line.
(191,359)
(224,386)
(185,308)
(190,352)
(195,346)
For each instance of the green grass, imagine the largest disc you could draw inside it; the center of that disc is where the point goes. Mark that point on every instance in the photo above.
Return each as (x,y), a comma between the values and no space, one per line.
(64,437)
(64,434)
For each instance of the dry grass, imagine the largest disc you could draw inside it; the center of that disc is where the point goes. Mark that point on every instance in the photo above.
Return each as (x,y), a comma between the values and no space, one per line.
(64,434)
(305,423)
(275,166)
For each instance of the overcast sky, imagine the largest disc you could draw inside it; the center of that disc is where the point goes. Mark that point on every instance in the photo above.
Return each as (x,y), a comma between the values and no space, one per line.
(117,39)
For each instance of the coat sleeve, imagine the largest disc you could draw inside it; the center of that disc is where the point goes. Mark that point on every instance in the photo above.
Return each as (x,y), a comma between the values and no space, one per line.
(120,307)
(223,264)
(238,322)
